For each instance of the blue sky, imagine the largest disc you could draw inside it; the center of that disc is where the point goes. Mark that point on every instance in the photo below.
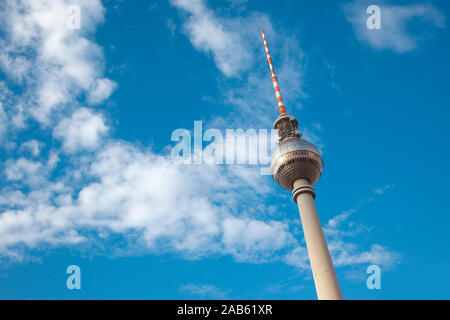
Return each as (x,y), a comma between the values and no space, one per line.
(86,118)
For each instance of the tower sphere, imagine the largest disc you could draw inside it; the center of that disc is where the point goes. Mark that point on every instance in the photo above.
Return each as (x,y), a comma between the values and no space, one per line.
(295,158)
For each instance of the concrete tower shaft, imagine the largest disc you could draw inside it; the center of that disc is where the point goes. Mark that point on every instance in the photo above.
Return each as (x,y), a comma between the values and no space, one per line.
(325,279)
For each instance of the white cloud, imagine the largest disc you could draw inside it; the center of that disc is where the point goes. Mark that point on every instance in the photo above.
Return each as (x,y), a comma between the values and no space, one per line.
(101,90)
(345,252)
(249,239)
(32,146)
(3,120)
(237,2)
(171,26)
(395,33)
(11,112)
(204,291)
(17,67)
(382,190)
(337,220)
(29,172)
(342,217)
(18,170)
(215,36)
(298,258)
(156,205)
(65,63)
(83,130)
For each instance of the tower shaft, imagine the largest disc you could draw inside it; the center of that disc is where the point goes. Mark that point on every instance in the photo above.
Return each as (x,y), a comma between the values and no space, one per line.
(325,280)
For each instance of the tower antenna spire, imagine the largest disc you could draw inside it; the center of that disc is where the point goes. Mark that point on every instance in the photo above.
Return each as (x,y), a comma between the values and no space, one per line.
(281,107)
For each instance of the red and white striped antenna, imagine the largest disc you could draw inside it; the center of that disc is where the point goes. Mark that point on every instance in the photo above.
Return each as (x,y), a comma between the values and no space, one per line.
(281,107)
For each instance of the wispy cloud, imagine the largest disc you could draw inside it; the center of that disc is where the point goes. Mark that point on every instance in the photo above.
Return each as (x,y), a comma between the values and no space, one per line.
(234,42)
(345,254)
(171,26)
(204,291)
(213,35)
(298,258)
(338,230)
(396,33)
(342,217)
(382,190)
(263,240)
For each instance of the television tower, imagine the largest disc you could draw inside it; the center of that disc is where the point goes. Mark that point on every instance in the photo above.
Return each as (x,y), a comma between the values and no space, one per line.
(296,165)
